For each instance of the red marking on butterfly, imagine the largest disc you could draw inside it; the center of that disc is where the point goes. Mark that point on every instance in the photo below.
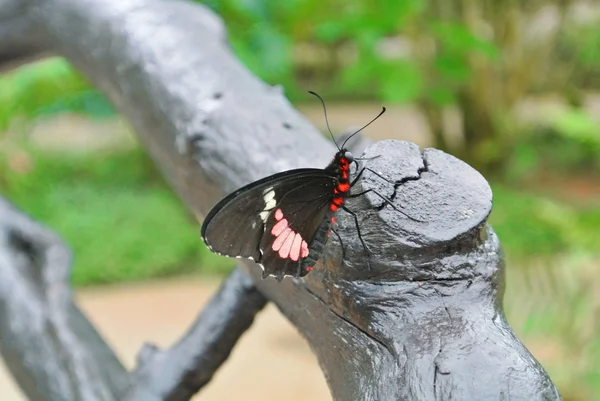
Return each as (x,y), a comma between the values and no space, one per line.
(288,243)
(343,187)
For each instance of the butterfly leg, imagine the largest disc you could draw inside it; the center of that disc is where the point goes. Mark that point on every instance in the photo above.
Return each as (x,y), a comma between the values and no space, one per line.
(359,235)
(388,200)
(379,175)
(374,172)
(367,158)
(357,176)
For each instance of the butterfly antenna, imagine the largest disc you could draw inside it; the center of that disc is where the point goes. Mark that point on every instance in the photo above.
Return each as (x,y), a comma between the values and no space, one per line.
(326,120)
(365,126)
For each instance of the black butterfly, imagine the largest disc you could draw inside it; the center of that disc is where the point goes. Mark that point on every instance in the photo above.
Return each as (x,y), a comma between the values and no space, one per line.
(283,222)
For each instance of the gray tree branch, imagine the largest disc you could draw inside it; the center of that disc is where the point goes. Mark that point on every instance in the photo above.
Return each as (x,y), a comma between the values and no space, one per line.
(21,41)
(49,346)
(54,352)
(179,372)
(425,321)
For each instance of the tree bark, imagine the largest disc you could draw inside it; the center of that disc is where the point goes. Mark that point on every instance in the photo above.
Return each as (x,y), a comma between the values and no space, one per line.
(424,322)
(50,347)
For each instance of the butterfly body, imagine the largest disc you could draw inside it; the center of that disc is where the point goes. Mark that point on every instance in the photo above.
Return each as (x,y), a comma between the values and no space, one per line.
(281,222)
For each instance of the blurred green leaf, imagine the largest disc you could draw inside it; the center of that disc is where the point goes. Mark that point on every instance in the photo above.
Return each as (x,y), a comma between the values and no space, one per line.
(47,87)
(451,68)
(576,124)
(266,50)
(402,82)
(457,39)
(530,225)
(121,220)
(442,96)
(331,30)
(254,9)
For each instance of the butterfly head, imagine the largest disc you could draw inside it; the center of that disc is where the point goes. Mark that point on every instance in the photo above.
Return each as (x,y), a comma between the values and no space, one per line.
(343,159)
(341,164)
(348,156)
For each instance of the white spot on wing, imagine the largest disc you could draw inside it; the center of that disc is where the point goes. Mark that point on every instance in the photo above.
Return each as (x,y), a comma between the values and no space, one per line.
(269,195)
(270,204)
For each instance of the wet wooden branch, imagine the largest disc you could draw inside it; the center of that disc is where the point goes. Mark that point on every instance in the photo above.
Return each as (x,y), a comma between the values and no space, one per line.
(54,352)
(49,346)
(424,322)
(21,41)
(179,372)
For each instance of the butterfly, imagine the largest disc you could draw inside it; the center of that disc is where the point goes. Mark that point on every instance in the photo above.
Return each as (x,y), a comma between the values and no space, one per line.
(282,222)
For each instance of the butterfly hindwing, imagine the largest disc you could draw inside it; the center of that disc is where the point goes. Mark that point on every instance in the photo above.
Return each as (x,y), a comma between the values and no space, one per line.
(291,226)
(242,224)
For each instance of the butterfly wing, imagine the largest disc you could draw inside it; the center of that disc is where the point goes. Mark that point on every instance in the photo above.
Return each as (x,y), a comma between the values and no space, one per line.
(272,221)
(291,227)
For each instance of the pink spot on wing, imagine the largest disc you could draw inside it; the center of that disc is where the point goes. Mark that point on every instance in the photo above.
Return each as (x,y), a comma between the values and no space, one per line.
(278,243)
(309,268)
(284,252)
(296,248)
(304,250)
(288,243)
(279,227)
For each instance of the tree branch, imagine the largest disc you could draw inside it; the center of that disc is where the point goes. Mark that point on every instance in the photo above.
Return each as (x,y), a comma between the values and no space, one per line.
(20,39)
(179,372)
(48,344)
(426,319)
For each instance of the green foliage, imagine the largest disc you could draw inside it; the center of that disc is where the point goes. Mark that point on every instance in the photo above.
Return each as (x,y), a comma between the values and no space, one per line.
(45,88)
(550,302)
(582,43)
(577,126)
(119,218)
(568,143)
(530,225)
(415,51)
(361,51)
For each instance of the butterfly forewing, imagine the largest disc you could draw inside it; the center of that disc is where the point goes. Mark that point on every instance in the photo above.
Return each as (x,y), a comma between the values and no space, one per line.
(272,221)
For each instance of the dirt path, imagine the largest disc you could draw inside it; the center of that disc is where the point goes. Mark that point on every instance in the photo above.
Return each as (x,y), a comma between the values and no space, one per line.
(271,362)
